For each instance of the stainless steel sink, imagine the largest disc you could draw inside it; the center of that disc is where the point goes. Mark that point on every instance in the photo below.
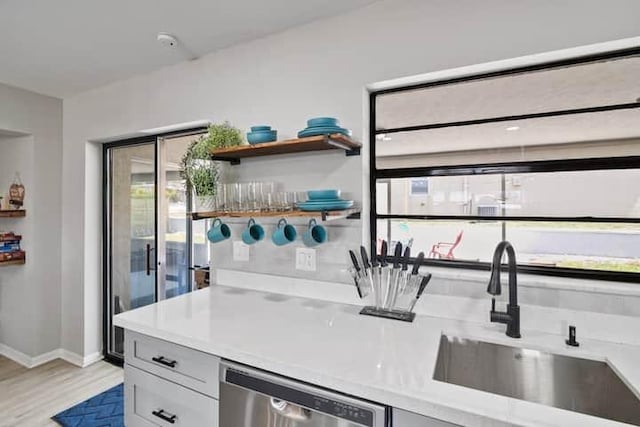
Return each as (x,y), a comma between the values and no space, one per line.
(580,385)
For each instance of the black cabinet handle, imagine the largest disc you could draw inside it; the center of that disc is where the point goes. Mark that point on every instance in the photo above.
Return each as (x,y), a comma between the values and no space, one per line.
(165,362)
(163,415)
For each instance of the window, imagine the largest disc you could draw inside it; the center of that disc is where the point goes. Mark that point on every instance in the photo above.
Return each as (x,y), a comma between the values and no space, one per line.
(547,157)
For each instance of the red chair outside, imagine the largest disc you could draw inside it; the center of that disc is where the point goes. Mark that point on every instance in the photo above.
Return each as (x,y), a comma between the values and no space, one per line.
(444,250)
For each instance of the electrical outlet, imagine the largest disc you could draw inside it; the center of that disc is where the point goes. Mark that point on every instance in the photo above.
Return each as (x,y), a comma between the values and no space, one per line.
(306,259)
(240,251)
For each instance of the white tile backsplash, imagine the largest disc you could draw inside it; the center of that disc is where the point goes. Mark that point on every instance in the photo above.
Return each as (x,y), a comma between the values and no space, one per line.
(267,258)
(332,262)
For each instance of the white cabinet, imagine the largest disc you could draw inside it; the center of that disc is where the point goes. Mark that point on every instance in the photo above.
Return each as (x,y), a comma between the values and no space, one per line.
(409,419)
(168,385)
(153,401)
(188,367)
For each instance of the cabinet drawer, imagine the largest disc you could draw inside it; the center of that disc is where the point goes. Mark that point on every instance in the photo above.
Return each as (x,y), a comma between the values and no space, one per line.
(191,368)
(152,401)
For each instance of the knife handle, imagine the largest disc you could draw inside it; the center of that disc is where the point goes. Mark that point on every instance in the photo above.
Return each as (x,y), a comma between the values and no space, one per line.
(354,261)
(397,255)
(418,263)
(383,253)
(405,260)
(365,258)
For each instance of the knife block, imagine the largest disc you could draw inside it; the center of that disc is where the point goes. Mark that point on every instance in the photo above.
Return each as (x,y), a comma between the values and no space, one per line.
(404,316)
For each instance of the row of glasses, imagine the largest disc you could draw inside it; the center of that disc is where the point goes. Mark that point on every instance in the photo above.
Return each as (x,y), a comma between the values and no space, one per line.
(256,197)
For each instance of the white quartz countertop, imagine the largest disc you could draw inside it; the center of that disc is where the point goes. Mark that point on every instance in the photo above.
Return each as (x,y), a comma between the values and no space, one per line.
(381,360)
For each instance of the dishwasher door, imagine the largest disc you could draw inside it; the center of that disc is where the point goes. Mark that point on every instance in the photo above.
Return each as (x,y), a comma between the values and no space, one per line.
(252,398)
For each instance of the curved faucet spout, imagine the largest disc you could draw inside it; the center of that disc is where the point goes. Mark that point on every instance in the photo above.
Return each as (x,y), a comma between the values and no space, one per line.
(512,316)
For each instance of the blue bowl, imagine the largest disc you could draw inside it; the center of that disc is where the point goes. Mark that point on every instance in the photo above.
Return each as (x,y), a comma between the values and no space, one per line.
(260,128)
(262,136)
(322,121)
(323,194)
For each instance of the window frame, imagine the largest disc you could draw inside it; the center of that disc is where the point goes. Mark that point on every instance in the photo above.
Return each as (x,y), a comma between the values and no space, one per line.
(564,165)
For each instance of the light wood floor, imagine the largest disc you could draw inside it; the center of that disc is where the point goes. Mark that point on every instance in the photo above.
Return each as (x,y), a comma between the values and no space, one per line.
(30,397)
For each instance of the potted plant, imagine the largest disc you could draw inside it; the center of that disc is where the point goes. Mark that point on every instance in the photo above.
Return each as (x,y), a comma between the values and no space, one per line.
(222,136)
(199,171)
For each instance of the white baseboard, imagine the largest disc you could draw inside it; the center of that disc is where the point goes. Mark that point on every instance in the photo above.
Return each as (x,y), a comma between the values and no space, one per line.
(59,353)
(26,360)
(76,359)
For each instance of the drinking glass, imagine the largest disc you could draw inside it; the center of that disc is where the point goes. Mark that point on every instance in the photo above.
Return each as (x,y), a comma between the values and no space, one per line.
(231,197)
(299,197)
(242,196)
(266,191)
(252,196)
(221,198)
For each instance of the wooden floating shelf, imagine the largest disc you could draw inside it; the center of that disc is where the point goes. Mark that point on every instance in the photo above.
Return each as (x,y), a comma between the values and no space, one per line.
(298,145)
(13,213)
(325,215)
(13,262)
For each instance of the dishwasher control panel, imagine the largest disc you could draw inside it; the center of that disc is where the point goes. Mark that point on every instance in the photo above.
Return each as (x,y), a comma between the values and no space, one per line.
(343,410)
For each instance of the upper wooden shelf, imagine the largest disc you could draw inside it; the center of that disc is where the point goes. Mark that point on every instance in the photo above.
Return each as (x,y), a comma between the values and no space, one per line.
(13,213)
(298,145)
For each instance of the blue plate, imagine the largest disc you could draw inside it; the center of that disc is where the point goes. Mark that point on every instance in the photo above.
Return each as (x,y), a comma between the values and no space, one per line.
(322,121)
(326,205)
(322,195)
(259,128)
(323,130)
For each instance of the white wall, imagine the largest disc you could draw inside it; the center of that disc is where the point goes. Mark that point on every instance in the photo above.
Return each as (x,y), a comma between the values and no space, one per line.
(30,294)
(317,69)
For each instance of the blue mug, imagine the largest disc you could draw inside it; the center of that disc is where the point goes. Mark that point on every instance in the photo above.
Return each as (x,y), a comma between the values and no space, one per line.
(315,234)
(219,231)
(253,233)
(284,234)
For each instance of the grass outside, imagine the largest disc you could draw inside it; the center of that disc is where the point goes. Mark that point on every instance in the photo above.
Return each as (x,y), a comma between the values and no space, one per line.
(621,266)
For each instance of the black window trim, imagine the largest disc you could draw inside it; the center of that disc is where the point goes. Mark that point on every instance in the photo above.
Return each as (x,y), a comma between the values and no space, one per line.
(564,165)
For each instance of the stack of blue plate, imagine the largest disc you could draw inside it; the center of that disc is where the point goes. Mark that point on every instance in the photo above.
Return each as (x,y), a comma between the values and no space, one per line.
(322,126)
(325,200)
(261,134)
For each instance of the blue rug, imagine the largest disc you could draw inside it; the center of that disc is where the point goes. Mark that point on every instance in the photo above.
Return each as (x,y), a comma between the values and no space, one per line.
(104,410)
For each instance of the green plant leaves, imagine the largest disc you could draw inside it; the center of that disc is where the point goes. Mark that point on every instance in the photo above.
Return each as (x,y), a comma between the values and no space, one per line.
(196,166)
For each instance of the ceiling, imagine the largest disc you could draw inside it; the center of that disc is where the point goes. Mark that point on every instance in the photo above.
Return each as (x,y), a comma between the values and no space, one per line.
(64,47)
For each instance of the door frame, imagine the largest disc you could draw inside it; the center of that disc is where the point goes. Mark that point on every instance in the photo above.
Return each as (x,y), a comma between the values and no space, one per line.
(106,226)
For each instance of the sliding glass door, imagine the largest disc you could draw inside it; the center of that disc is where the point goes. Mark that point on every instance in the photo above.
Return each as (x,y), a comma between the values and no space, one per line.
(148,236)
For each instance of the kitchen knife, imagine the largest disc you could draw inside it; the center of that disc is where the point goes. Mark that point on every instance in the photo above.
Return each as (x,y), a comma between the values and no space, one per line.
(369,271)
(397,255)
(405,258)
(394,276)
(383,253)
(354,261)
(404,274)
(365,259)
(374,260)
(423,285)
(417,264)
(356,274)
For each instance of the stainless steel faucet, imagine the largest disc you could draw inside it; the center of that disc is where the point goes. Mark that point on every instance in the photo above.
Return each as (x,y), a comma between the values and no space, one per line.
(511,317)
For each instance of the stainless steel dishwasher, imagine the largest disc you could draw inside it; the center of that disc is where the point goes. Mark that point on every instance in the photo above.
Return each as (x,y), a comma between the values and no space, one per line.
(252,398)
